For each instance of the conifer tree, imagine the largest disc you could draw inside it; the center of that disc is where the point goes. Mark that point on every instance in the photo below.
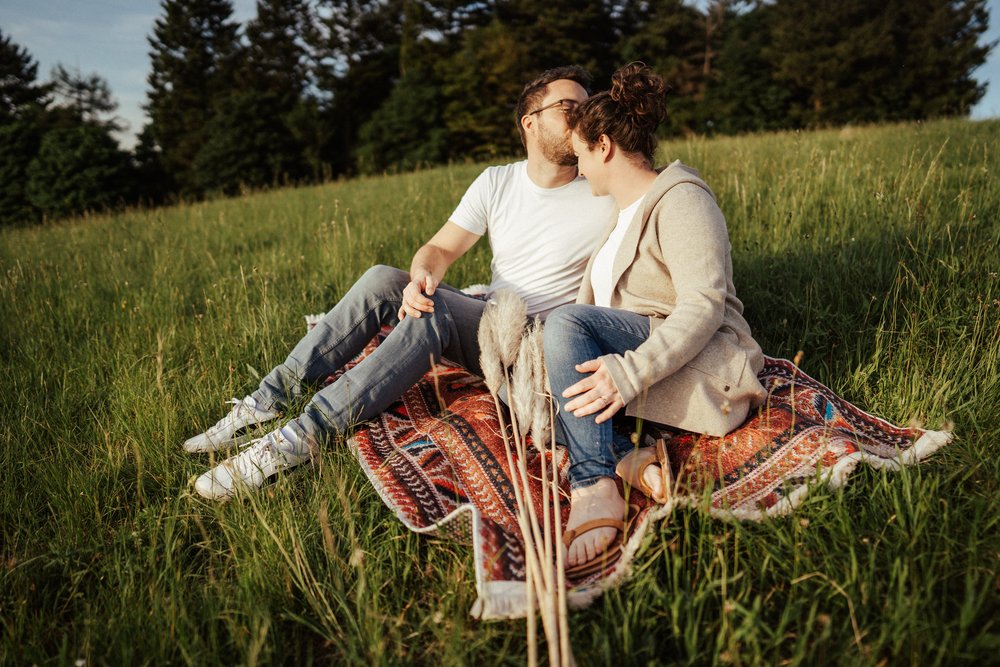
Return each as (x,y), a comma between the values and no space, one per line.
(858,61)
(249,140)
(18,72)
(669,36)
(87,97)
(194,48)
(356,46)
(744,96)
(19,142)
(22,107)
(78,169)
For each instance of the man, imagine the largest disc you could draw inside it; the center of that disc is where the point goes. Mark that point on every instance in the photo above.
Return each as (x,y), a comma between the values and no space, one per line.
(543,224)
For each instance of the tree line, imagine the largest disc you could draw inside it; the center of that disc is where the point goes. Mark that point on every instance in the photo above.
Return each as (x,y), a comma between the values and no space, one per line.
(313,89)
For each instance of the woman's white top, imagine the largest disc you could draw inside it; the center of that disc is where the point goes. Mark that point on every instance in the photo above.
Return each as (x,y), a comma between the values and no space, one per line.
(600,274)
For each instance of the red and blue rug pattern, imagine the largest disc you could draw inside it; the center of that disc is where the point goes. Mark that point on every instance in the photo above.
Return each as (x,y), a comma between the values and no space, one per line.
(437,459)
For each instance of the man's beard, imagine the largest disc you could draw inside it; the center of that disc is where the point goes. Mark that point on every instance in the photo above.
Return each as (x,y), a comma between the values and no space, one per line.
(556,149)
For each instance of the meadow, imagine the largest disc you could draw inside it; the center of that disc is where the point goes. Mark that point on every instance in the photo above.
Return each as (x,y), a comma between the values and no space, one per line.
(874,250)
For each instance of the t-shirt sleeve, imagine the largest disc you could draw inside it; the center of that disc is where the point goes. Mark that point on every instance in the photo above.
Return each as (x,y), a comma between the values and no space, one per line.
(472,213)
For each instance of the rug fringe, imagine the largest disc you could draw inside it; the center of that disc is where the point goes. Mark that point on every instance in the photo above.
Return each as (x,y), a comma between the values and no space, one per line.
(500,600)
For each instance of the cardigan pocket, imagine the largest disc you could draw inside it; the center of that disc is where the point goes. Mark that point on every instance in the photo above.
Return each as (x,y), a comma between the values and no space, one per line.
(726,366)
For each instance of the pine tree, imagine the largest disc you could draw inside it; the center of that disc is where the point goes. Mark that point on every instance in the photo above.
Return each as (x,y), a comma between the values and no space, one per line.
(22,115)
(18,91)
(19,143)
(481,83)
(858,61)
(194,53)
(938,49)
(245,145)
(87,97)
(670,37)
(249,141)
(562,32)
(277,57)
(408,128)
(744,96)
(78,169)
(356,46)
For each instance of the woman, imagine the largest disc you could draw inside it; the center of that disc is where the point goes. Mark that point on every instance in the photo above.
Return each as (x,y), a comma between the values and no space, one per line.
(657,328)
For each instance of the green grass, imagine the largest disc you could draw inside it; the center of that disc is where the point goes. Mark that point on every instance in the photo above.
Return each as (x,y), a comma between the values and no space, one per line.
(874,250)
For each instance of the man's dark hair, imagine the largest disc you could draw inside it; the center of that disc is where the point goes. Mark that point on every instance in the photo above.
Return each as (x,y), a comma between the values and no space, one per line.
(535,91)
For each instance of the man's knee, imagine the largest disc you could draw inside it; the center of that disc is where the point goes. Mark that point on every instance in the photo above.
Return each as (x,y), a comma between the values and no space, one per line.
(381,277)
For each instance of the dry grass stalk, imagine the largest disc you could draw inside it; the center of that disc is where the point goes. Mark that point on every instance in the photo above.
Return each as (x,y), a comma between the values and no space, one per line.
(489,350)
(543,432)
(500,323)
(522,396)
(509,319)
(533,400)
(505,343)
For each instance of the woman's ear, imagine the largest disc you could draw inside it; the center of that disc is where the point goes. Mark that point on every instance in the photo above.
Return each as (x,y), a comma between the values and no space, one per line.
(607,147)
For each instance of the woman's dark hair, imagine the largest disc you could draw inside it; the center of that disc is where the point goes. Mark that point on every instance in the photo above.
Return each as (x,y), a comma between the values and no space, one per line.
(628,114)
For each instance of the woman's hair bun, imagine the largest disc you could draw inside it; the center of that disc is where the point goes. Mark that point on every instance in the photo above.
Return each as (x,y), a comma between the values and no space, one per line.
(641,93)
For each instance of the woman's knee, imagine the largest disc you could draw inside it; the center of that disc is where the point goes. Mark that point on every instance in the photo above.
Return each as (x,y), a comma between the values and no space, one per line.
(564,321)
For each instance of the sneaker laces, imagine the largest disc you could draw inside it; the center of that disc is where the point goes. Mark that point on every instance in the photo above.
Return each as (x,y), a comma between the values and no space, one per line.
(246,406)
(256,455)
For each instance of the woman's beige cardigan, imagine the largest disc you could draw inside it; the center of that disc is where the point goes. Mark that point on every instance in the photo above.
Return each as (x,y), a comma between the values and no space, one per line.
(698,369)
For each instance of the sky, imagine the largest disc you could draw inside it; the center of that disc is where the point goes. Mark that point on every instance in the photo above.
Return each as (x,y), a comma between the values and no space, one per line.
(109,37)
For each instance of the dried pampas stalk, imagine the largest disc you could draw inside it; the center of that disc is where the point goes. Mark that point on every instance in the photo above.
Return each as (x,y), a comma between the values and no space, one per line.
(522,405)
(504,343)
(522,391)
(510,316)
(562,609)
(499,335)
(489,350)
(541,402)
(543,432)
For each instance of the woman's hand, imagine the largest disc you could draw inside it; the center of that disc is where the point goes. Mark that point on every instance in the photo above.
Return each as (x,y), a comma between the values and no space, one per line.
(594,393)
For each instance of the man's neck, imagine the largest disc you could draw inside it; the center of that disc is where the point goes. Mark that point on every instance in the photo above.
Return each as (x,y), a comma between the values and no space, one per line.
(544,174)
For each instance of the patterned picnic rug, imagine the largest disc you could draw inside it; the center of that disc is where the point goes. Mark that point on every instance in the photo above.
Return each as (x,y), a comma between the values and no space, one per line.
(437,459)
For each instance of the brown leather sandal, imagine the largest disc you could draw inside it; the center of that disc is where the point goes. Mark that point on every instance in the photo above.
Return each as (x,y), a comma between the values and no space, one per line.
(611,553)
(634,464)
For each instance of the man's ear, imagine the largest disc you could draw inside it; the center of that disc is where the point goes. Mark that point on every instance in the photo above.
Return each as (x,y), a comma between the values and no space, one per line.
(527,122)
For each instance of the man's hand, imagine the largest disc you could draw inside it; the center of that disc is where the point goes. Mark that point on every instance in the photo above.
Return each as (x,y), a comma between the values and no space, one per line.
(429,265)
(594,393)
(414,300)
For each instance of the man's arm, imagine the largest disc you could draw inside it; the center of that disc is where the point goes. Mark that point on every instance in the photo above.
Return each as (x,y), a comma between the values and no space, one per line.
(429,265)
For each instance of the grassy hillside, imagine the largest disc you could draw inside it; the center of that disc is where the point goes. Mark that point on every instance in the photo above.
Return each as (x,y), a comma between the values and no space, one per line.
(876,251)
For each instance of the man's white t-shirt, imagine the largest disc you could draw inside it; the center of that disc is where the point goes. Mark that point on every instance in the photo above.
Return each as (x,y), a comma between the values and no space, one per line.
(541,238)
(600,272)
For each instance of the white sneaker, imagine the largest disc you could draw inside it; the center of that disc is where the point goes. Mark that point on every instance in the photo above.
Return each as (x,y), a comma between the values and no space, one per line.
(250,468)
(244,413)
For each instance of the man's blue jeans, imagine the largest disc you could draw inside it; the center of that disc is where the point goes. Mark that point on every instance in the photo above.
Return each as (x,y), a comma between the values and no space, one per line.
(366,390)
(575,334)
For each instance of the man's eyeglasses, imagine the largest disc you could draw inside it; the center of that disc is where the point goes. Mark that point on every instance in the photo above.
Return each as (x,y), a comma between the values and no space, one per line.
(565,106)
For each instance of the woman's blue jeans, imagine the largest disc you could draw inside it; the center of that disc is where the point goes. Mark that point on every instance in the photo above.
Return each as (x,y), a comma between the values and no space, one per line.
(366,390)
(575,334)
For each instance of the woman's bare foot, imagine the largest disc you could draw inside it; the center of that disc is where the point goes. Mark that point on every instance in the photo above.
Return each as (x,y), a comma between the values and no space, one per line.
(600,500)
(654,480)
